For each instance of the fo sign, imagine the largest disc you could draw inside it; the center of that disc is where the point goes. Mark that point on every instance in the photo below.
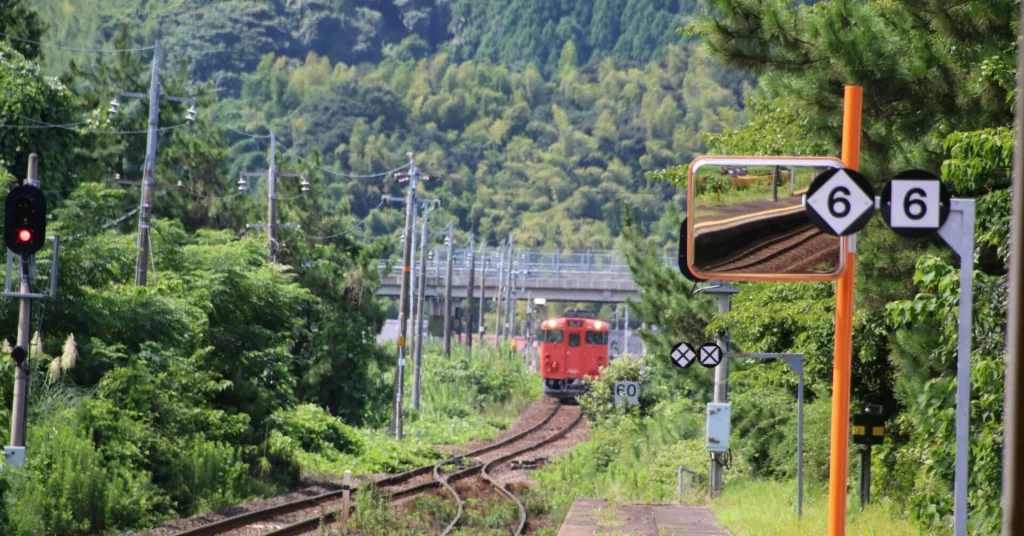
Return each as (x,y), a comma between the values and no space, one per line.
(628,392)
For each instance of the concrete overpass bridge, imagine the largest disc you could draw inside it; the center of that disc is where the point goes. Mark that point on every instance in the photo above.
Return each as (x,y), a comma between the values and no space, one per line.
(590,276)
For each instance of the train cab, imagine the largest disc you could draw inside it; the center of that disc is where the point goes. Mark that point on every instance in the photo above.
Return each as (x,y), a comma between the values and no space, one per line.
(571,348)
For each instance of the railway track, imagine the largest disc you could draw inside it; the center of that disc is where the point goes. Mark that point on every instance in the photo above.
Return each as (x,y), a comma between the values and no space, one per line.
(574,416)
(768,250)
(307,514)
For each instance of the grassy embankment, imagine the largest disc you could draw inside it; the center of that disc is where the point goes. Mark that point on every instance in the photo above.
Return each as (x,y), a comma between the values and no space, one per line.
(465,398)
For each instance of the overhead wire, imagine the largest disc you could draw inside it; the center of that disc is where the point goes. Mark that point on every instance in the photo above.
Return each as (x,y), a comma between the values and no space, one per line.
(76,49)
(351,227)
(71,127)
(107,225)
(285,149)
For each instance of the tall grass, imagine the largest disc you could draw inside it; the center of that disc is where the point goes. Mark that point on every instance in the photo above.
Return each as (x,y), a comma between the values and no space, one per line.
(750,507)
(468,396)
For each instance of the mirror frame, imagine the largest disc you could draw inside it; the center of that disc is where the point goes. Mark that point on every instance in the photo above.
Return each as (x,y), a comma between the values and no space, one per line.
(751,161)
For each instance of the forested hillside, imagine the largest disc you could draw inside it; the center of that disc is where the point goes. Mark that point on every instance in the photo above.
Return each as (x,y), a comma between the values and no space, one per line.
(546,126)
(220,40)
(554,159)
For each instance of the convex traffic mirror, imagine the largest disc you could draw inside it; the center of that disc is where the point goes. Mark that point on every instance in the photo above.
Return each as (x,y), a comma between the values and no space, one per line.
(746,220)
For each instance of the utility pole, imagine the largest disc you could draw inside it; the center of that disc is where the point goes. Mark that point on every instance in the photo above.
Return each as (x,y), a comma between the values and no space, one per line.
(483,288)
(448,290)
(498,295)
(149,171)
(510,302)
(404,299)
(272,176)
(421,301)
(471,257)
(1013,453)
(19,408)
(413,282)
(625,330)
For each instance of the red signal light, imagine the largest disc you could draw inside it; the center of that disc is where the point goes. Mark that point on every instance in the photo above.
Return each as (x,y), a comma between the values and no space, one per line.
(25,235)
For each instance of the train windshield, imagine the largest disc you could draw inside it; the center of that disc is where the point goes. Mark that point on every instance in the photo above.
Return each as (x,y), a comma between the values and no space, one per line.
(551,335)
(574,339)
(597,337)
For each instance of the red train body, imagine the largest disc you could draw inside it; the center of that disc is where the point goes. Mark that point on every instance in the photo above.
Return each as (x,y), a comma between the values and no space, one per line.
(571,348)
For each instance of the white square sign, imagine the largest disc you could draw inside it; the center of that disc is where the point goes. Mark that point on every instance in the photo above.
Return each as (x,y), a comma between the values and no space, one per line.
(915,204)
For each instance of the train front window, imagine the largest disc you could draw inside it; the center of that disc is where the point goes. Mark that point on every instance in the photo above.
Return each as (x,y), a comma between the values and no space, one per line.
(597,337)
(574,339)
(551,335)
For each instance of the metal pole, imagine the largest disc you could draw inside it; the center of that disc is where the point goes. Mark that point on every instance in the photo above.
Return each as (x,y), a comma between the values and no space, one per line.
(775,183)
(497,296)
(1013,443)
(414,282)
(865,475)
(448,290)
(843,346)
(963,373)
(483,291)
(403,300)
(626,330)
(421,301)
(272,201)
(721,395)
(509,289)
(469,295)
(800,442)
(19,408)
(149,171)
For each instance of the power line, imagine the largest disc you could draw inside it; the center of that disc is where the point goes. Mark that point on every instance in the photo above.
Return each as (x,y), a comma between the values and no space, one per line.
(74,49)
(235,130)
(351,227)
(349,175)
(107,225)
(71,127)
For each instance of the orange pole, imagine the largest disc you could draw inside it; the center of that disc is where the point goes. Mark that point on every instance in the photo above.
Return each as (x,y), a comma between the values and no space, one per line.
(842,365)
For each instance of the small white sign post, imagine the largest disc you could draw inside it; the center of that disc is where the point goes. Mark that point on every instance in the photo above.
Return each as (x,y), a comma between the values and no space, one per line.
(628,392)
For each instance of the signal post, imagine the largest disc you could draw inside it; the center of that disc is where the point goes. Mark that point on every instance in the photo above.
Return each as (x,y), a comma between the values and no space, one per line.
(24,235)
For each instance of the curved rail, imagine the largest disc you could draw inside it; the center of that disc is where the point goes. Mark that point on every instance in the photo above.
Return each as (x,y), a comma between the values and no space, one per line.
(226,524)
(455,495)
(501,459)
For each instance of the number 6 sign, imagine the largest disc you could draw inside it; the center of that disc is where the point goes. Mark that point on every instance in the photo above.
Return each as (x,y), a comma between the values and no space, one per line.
(840,202)
(915,204)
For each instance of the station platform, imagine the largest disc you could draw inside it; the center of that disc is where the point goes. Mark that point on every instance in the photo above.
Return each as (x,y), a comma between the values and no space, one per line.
(595,516)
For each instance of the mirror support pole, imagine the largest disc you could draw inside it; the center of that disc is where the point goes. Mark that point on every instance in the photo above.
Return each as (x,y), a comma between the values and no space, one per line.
(842,364)
(724,291)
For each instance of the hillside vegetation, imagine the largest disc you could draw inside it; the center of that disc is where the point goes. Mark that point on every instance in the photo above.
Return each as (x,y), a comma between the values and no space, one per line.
(220,40)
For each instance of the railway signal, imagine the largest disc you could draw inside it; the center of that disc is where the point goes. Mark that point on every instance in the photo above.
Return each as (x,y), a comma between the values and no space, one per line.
(915,204)
(840,202)
(683,355)
(710,355)
(25,220)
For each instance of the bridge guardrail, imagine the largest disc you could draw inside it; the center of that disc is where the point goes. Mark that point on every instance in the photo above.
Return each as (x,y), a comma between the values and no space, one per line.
(529,264)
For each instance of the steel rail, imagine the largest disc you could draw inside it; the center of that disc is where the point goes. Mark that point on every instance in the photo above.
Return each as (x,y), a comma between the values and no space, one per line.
(229,523)
(745,255)
(501,459)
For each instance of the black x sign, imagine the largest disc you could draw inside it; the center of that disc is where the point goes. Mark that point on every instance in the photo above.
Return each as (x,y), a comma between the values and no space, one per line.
(709,355)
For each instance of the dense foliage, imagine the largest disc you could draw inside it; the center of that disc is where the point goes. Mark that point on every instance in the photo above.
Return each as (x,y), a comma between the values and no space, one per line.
(904,332)
(220,40)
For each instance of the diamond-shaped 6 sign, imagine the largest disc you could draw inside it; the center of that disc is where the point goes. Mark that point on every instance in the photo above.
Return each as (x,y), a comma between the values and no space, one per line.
(840,202)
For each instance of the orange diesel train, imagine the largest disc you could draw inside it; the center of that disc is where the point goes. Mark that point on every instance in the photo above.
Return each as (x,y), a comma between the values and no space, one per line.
(571,347)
